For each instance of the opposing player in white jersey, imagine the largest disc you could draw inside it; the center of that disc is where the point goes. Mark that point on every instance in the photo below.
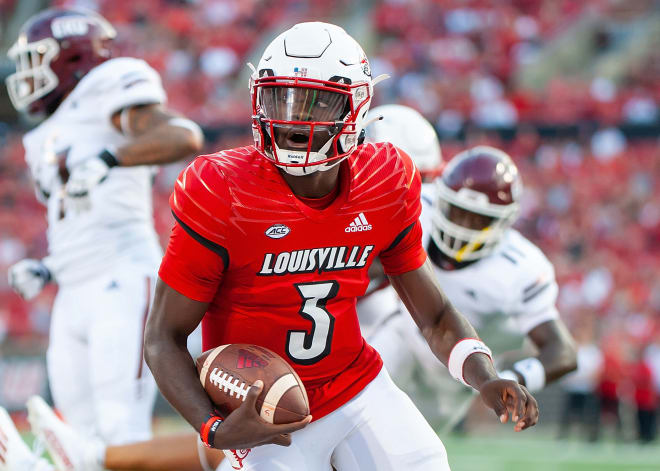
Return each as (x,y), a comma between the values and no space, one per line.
(408,130)
(92,161)
(502,282)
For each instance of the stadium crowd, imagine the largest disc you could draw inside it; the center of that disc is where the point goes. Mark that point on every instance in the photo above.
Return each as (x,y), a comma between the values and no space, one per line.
(592,195)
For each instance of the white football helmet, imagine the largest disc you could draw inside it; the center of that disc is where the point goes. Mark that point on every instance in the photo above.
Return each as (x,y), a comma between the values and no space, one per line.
(310,95)
(408,130)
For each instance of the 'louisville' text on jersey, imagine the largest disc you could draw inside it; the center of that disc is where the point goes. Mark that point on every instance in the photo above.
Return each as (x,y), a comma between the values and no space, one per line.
(320,259)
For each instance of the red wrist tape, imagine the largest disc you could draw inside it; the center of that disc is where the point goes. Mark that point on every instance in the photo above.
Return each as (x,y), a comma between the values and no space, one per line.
(207,432)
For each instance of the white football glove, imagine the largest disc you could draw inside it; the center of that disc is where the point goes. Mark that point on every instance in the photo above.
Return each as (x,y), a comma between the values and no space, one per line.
(28,277)
(89,173)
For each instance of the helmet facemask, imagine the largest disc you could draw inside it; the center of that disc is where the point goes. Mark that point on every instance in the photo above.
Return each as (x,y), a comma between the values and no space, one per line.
(34,77)
(306,125)
(466,227)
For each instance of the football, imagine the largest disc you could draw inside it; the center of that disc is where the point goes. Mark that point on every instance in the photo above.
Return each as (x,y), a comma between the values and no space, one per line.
(228,371)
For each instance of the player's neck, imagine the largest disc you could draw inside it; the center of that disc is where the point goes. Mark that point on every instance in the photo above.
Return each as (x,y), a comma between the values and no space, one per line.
(315,185)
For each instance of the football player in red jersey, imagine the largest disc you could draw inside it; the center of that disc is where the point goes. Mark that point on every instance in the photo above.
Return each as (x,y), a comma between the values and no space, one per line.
(271,247)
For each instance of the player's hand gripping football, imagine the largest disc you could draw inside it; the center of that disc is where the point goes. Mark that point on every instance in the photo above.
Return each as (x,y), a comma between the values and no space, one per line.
(244,428)
(508,398)
(28,277)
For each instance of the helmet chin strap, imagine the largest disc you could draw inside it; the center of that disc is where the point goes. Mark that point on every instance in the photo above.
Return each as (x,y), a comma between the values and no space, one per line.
(472,246)
(316,156)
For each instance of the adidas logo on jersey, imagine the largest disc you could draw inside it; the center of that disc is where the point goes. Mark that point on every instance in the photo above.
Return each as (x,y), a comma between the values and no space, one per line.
(359,224)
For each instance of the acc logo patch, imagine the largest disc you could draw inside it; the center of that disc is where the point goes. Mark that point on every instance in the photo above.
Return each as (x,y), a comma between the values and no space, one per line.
(277,231)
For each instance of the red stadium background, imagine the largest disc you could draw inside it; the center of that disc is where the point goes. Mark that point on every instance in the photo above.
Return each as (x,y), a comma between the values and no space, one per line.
(571,89)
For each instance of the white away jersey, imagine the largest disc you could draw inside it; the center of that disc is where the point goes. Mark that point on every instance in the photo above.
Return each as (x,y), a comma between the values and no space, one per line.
(510,291)
(119,223)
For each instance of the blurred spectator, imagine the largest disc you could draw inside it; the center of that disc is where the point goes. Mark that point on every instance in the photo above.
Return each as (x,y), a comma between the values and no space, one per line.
(609,390)
(580,400)
(646,399)
(652,358)
(607,144)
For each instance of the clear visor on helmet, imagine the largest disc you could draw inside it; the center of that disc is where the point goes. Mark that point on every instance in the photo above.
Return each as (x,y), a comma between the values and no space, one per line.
(302,104)
(303,119)
(33,78)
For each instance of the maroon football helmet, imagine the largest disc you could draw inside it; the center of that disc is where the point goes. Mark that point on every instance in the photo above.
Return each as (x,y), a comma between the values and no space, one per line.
(54,50)
(477,200)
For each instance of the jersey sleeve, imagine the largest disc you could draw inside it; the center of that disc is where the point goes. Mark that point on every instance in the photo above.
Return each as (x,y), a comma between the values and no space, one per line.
(134,83)
(201,204)
(405,252)
(190,267)
(411,200)
(537,294)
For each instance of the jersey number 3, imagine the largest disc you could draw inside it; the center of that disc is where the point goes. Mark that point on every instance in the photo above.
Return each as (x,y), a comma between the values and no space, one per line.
(306,348)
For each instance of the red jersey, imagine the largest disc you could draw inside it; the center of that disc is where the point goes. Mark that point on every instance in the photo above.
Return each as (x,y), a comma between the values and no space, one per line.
(281,274)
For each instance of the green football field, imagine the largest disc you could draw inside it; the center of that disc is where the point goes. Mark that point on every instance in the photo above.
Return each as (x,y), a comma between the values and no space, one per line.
(536,452)
(513,453)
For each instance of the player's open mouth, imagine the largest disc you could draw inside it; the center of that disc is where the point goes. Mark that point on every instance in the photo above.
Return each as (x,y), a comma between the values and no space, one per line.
(297,140)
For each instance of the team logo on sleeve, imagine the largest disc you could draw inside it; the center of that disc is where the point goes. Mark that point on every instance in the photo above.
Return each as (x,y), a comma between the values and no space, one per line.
(277,231)
(359,224)
(315,260)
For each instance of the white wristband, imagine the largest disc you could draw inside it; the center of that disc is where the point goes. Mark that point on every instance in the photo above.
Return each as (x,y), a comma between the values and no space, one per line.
(532,371)
(508,374)
(461,351)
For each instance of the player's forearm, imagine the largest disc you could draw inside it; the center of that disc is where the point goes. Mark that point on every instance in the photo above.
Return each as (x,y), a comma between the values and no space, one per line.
(451,328)
(172,318)
(557,356)
(170,452)
(440,323)
(176,376)
(163,144)
(558,360)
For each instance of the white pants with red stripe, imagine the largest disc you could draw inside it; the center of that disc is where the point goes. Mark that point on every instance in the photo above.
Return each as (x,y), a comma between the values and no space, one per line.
(378,430)
(98,377)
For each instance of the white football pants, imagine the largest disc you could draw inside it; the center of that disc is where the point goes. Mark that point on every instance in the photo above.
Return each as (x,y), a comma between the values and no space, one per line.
(99,380)
(378,430)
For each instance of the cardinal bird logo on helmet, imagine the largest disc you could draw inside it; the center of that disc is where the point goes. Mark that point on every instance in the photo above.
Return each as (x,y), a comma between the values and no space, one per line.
(365,66)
